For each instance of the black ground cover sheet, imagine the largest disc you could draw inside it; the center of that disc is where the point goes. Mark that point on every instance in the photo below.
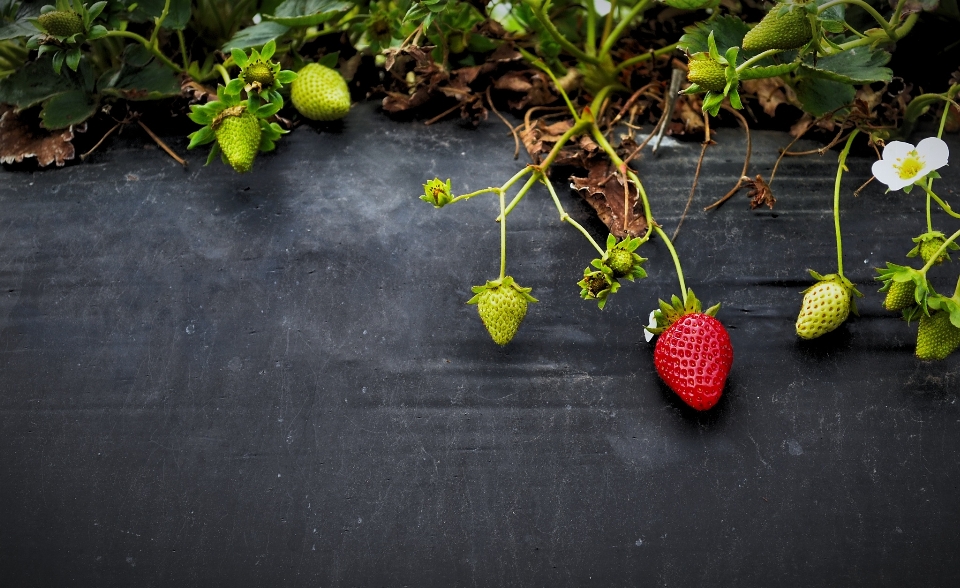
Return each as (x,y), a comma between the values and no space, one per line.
(270,380)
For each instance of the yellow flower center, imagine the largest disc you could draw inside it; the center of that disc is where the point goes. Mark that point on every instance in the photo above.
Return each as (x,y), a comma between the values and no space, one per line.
(910,166)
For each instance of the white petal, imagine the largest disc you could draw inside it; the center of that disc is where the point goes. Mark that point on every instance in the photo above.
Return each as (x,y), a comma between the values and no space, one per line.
(886,173)
(934,152)
(653,323)
(896,150)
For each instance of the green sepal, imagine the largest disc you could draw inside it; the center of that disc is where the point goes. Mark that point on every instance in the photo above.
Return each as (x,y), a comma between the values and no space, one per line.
(234,86)
(214,151)
(505,282)
(629,245)
(711,102)
(951,305)
(269,109)
(201,137)
(269,48)
(73,58)
(239,57)
(286,76)
(669,313)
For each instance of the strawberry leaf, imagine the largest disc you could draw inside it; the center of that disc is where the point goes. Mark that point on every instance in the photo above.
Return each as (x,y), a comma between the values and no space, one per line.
(859,65)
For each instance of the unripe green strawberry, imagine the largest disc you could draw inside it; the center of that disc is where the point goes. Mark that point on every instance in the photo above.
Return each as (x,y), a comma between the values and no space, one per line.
(259,73)
(320,93)
(620,261)
(238,134)
(502,304)
(775,31)
(900,296)
(706,73)
(936,337)
(825,306)
(929,248)
(61,23)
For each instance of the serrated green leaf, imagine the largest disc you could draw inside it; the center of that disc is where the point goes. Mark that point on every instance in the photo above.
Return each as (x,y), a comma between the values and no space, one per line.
(728,31)
(139,78)
(17,29)
(818,95)
(147,10)
(307,13)
(860,65)
(68,108)
(257,35)
(832,18)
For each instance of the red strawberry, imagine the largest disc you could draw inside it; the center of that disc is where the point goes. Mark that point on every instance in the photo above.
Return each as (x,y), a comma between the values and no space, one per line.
(693,354)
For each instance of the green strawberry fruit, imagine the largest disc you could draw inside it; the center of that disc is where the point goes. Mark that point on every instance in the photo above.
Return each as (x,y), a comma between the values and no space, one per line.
(790,30)
(320,93)
(900,296)
(238,134)
(929,248)
(706,73)
(691,4)
(825,306)
(502,304)
(61,23)
(260,73)
(620,261)
(937,337)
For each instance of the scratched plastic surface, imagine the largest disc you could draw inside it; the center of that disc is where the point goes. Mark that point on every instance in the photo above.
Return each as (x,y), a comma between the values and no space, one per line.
(273,380)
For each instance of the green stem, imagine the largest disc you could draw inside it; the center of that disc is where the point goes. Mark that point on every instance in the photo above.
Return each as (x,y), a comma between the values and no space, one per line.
(543,66)
(841,167)
(576,129)
(946,207)
(183,49)
(618,30)
(886,26)
(757,58)
(156,52)
(516,199)
(641,58)
(608,21)
(540,15)
(872,38)
(564,217)
(503,238)
(943,124)
(223,73)
(936,256)
(956,290)
(159,21)
(591,45)
(676,262)
(472,194)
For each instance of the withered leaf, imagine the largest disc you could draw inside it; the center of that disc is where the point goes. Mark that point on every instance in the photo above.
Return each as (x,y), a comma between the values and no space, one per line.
(19,141)
(604,191)
(760,193)
(769,92)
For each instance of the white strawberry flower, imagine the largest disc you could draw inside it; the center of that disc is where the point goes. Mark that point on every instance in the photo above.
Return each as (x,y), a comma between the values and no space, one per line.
(653,323)
(903,164)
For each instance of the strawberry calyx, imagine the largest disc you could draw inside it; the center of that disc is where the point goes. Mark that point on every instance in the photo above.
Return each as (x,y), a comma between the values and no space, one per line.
(929,243)
(619,261)
(504,282)
(709,66)
(894,273)
(259,74)
(669,313)
(843,281)
(437,193)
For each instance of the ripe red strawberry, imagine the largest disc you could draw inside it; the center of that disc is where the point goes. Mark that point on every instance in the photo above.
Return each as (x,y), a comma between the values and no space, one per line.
(693,354)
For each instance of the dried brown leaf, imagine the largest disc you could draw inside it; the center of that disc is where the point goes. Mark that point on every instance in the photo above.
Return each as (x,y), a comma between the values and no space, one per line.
(19,141)
(604,192)
(760,193)
(769,92)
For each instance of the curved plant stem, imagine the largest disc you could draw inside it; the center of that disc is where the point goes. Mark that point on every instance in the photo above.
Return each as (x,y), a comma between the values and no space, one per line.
(757,58)
(943,124)
(872,38)
(641,58)
(183,50)
(503,237)
(841,167)
(564,217)
(540,14)
(223,73)
(676,262)
(516,199)
(612,154)
(149,47)
(159,21)
(618,30)
(886,26)
(946,207)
